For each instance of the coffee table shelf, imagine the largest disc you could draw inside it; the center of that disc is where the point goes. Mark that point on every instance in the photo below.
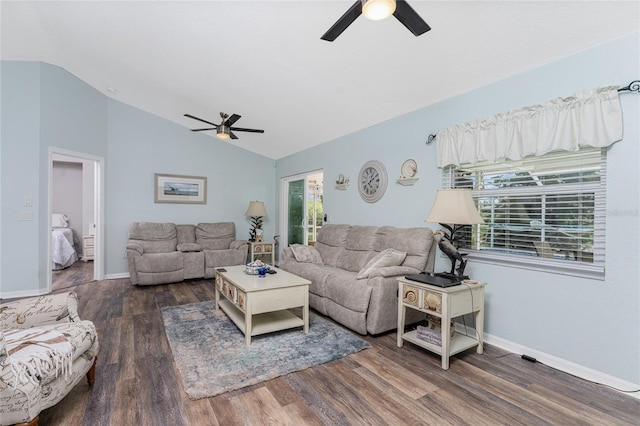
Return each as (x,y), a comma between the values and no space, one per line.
(267,322)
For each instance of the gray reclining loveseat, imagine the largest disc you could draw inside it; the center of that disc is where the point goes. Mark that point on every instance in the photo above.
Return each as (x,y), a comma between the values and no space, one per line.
(160,253)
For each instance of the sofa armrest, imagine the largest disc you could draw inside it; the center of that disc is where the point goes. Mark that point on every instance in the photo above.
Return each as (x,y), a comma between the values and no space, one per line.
(187,247)
(393,271)
(134,249)
(237,244)
(36,311)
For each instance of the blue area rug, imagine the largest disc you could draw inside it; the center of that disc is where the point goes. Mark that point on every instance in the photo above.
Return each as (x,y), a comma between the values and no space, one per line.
(210,353)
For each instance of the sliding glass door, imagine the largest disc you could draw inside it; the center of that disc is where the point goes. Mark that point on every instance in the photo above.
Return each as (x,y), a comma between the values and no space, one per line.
(302,208)
(296,212)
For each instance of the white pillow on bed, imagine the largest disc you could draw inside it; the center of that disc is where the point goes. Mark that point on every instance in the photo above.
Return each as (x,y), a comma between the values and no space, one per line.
(59,220)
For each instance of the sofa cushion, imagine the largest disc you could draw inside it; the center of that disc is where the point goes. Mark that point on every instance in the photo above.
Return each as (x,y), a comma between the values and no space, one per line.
(218,258)
(361,238)
(215,236)
(154,237)
(316,273)
(329,254)
(186,234)
(333,235)
(416,242)
(306,254)
(354,260)
(358,248)
(330,242)
(388,257)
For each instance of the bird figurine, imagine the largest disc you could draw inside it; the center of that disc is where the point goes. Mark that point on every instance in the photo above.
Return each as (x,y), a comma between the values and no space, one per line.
(453,254)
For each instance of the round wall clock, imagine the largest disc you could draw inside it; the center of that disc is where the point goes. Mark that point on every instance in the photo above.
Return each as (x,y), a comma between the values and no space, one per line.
(372,181)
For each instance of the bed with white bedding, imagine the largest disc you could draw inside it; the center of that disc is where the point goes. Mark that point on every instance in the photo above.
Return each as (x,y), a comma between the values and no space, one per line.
(63,245)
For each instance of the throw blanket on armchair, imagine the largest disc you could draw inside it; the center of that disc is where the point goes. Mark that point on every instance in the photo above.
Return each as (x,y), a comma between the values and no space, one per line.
(37,353)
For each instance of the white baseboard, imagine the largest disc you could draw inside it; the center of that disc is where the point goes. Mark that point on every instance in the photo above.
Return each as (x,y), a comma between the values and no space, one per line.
(559,363)
(32,293)
(117,276)
(21,294)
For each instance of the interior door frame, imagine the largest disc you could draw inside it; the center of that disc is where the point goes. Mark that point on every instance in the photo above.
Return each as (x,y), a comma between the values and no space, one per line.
(284,201)
(98,208)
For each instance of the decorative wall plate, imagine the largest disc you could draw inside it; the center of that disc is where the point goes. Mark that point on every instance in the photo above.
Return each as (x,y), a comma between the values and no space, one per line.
(409,169)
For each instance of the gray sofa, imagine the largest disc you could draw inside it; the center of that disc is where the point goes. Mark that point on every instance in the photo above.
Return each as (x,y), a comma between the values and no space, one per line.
(160,253)
(344,285)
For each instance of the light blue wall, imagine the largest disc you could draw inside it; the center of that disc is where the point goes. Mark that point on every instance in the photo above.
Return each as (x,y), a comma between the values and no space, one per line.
(20,145)
(73,116)
(141,144)
(591,323)
(44,106)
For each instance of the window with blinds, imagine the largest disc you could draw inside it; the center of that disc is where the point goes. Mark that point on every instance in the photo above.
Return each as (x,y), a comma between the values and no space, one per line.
(545,212)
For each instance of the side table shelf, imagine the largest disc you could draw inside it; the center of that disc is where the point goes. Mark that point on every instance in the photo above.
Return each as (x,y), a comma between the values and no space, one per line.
(444,303)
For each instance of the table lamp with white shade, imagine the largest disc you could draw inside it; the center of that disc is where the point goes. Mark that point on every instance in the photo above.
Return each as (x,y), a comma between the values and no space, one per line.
(256,212)
(452,209)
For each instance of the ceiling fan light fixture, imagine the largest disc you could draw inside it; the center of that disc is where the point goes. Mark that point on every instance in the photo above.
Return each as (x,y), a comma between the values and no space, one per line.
(222,131)
(376,10)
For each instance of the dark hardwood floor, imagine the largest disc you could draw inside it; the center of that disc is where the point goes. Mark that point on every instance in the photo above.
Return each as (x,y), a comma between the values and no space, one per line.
(78,273)
(137,383)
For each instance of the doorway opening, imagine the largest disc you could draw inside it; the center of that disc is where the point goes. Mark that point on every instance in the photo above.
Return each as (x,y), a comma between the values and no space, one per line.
(75,217)
(302,206)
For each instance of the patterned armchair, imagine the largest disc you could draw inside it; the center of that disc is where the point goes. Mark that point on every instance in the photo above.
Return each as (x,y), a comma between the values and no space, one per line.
(45,350)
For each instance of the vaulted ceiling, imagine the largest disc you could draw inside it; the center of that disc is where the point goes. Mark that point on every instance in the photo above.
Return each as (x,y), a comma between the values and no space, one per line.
(265,61)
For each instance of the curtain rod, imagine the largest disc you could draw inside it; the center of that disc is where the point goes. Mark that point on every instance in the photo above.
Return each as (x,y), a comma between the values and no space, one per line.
(634,86)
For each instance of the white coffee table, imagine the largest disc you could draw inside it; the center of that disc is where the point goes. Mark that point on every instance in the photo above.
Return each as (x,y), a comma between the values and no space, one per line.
(261,305)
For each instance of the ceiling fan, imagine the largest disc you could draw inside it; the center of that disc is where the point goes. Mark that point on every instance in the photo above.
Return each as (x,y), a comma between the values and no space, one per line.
(376,10)
(224,129)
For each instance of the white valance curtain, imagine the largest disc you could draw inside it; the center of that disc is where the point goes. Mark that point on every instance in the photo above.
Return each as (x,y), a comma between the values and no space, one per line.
(592,117)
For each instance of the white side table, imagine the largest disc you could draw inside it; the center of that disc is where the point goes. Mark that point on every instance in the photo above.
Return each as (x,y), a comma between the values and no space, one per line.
(260,249)
(444,303)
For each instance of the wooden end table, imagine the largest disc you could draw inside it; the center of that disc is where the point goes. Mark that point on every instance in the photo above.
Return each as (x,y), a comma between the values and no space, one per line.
(444,303)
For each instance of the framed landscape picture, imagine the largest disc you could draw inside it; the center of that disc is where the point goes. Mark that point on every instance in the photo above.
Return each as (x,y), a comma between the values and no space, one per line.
(180,189)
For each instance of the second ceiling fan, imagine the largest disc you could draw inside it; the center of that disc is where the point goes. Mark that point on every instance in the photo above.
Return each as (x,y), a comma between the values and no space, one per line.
(224,129)
(376,10)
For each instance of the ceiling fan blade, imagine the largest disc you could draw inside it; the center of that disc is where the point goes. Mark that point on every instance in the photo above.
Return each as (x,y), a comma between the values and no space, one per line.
(200,119)
(344,21)
(203,130)
(232,136)
(240,129)
(410,18)
(234,117)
